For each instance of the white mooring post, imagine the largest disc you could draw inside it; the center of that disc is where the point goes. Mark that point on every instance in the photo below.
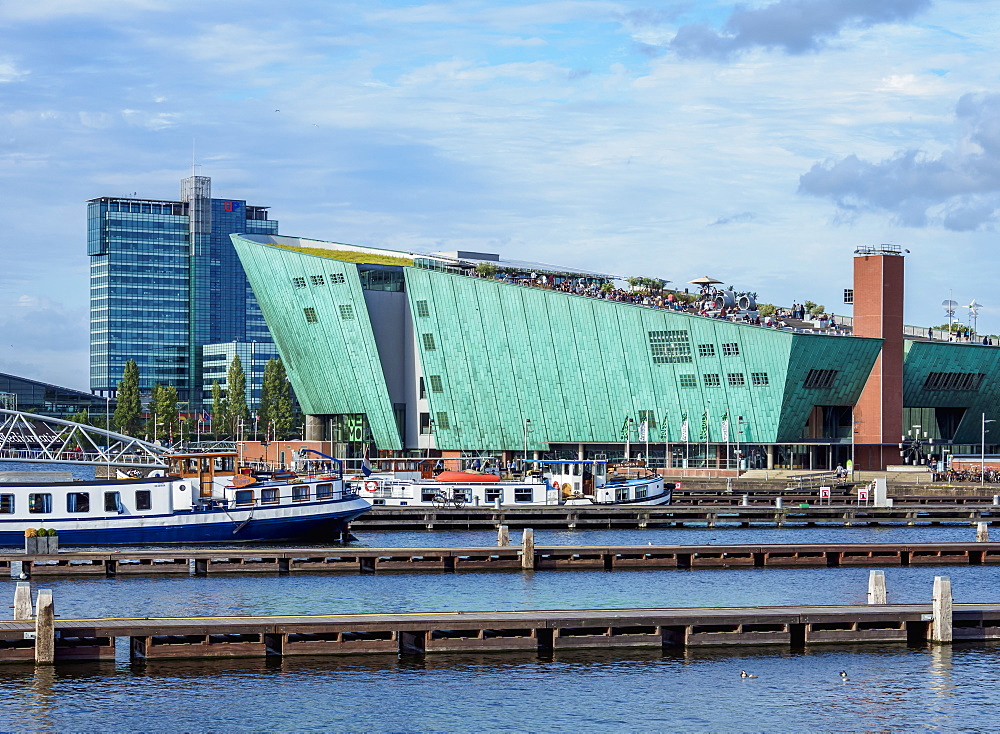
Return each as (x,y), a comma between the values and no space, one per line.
(941,607)
(982,532)
(503,536)
(45,629)
(876,587)
(745,502)
(528,549)
(22,601)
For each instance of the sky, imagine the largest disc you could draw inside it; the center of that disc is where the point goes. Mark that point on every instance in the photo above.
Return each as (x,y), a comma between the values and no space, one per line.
(758,143)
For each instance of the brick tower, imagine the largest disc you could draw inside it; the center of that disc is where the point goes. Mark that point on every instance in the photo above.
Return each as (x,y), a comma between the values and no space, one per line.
(878,312)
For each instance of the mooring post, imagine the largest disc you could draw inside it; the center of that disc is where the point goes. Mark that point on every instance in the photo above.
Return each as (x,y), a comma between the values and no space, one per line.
(503,536)
(876,587)
(996,499)
(745,502)
(45,629)
(528,549)
(941,607)
(779,502)
(22,601)
(982,532)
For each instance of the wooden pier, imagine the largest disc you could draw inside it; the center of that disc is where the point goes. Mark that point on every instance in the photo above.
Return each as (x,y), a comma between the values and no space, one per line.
(668,516)
(188,562)
(456,632)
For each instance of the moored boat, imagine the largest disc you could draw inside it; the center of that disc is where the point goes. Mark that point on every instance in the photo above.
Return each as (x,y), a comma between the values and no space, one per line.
(195,498)
(553,483)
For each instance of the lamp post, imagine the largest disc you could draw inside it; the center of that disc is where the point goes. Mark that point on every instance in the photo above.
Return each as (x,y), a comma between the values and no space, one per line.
(982,452)
(527,427)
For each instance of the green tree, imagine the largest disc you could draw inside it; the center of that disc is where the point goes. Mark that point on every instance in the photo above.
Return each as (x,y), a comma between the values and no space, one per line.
(81,416)
(276,416)
(236,397)
(163,408)
(488,270)
(766,309)
(129,405)
(219,416)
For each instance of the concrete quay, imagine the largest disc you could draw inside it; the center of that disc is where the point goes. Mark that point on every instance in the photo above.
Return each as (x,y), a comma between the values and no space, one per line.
(664,516)
(187,562)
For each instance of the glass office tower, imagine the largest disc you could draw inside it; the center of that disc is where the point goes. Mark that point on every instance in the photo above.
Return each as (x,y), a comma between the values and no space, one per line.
(164,282)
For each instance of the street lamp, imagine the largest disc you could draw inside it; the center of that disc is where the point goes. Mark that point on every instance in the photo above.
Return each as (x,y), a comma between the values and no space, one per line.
(982,452)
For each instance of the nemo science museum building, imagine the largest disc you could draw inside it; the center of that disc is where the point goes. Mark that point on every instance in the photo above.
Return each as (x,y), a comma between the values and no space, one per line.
(465,354)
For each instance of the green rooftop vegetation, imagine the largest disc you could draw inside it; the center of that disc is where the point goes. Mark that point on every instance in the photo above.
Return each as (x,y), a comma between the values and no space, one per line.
(351,256)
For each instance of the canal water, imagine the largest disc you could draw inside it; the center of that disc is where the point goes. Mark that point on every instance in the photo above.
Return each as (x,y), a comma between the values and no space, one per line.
(890,688)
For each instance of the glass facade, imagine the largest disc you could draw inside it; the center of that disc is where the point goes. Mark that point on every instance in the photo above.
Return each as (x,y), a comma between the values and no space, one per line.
(216,359)
(164,281)
(31,396)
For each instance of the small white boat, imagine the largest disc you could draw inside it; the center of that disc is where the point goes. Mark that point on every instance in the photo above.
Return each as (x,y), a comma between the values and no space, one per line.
(196,498)
(554,483)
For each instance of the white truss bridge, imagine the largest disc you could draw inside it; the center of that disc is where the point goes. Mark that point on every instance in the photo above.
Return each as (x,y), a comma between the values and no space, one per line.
(27,437)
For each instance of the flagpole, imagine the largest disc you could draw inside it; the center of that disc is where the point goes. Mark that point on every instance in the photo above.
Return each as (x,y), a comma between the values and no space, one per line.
(628,437)
(708,431)
(666,441)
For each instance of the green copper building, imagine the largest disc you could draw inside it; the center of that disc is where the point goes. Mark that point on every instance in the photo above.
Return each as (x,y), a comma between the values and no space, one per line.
(413,355)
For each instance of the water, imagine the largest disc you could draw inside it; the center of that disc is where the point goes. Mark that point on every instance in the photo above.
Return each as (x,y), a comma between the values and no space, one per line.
(891,688)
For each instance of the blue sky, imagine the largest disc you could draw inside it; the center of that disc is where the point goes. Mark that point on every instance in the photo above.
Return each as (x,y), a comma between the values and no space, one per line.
(758,143)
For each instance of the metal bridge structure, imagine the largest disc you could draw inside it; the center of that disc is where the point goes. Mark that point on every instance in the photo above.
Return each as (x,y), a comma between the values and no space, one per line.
(31,438)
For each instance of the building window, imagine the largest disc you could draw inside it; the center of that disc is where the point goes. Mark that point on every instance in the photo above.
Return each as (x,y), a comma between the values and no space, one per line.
(443,422)
(731,350)
(299,282)
(317,280)
(820,379)
(143,499)
(39,503)
(957,381)
(712,381)
(849,295)
(688,381)
(422,310)
(736,379)
(436,385)
(669,347)
(336,278)
(428,340)
(310,313)
(347,312)
(706,350)
(78,502)
(759,379)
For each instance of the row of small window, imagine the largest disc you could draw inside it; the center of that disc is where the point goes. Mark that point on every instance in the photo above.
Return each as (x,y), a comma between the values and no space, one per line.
(735,379)
(730,349)
(346,313)
(521,494)
(40,503)
(335,278)
(674,347)
(958,381)
(270,496)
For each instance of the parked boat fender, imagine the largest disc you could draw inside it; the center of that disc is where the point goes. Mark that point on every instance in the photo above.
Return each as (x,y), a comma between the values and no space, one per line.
(371,485)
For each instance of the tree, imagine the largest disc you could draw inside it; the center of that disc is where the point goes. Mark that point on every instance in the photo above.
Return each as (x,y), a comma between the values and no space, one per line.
(219,416)
(766,309)
(487,270)
(163,409)
(81,416)
(275,401)
(236,396)
(129,403)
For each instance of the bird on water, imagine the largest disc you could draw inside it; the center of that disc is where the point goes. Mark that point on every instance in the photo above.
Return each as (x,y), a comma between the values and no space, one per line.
(843,675)
(744,674)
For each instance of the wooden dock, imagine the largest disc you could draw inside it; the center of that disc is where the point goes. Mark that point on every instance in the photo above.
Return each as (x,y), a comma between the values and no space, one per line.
(525,631)
(187,561)
(669,516)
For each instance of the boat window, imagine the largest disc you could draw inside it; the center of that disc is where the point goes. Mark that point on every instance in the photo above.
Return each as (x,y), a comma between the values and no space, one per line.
(39,502)
(522,494)
(244,496)
(269,496)
(494,493)
(621,494)
(324,491)
(113,502)
(300,492)
(6,503)
(641,492)
(427,494)
(462,494)
(78,502)
(143,499)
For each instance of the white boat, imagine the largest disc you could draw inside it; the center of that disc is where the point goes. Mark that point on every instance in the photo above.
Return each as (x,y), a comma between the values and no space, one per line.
(410,483)
(196,498)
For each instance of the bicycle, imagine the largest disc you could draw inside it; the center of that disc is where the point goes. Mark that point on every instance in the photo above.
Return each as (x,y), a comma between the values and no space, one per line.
(442,501)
